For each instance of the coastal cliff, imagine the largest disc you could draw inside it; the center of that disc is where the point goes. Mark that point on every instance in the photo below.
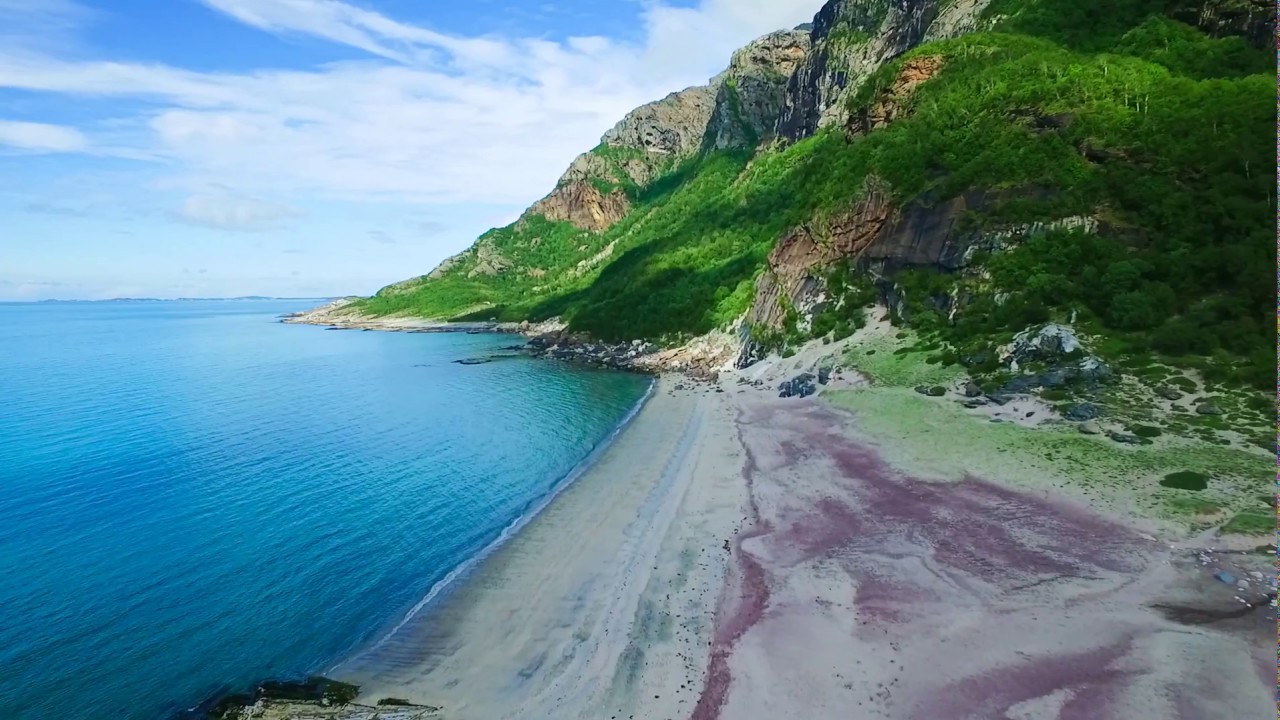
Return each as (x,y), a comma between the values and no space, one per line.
(981,168)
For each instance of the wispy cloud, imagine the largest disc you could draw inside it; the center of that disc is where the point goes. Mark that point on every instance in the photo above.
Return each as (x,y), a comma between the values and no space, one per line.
(225,211)
(42,207)
(381,236)
(427,118)
(40,137)
(430,228)
(45,25)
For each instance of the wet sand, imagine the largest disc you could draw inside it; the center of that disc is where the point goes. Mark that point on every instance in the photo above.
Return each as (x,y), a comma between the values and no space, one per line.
(736,555)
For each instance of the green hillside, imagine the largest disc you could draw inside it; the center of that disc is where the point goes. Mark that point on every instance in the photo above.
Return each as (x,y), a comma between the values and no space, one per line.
(1106,109)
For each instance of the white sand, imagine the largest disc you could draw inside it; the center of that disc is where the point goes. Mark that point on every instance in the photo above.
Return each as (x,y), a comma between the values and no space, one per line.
(735,555)
(605,601)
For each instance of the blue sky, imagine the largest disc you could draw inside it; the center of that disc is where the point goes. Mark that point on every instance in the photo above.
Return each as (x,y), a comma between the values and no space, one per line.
(169,148)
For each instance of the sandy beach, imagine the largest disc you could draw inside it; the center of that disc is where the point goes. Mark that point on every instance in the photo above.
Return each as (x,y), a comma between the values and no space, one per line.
(737,555)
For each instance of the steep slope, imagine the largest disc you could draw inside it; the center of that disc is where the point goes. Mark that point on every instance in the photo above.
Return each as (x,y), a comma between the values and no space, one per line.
(980,166)
(563,238)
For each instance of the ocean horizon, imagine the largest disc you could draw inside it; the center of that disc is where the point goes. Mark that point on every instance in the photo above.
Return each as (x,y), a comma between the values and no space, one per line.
(199,497)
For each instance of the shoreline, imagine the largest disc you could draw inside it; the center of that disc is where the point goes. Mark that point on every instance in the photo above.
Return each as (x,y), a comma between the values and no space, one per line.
(508,533)
(603,584)
(737,555)
(730,576)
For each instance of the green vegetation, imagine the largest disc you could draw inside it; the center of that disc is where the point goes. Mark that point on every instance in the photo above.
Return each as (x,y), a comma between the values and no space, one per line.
(1186,480)
(1168,161)
(1251,522)
(908,427)
(1193,506)
(1109,111)
(1146,431)
(849,292)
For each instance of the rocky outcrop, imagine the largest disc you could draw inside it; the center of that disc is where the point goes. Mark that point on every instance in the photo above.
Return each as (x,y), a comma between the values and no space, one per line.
(702,357)
(1060,358)
(956,18)
(892,103)
(882,239)
(583,205)
(489,260)
(736,109)
(648,140)
(796,266)
(571,347)
(750,93)
(605,253)
(851,39)
(284,710)
(315,698)
(1252,20)
(672,126)
(445,266)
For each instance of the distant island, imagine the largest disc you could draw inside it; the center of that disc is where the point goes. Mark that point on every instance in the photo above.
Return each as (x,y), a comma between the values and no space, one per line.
(188,299)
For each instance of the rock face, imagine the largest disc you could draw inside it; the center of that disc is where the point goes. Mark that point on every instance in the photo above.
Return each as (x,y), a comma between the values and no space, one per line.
(736,109)
(851,39)
(489,261)
(793,278)
(750,93)
(892,102)
(671,126)
(445,266)
(583,205)
(1253,20)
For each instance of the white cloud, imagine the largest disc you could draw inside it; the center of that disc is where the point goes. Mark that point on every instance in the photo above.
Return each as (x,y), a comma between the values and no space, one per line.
(430,118)
(225,211)
(41,137)
(41,24)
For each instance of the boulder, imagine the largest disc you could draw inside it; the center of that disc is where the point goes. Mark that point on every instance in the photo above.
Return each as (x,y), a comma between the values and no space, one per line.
(1093,370)
(798,386)
(1048,343)
(1081,412)
(971,390)
(1124,438)
(1208,408)
(1169,393)
(1090,427)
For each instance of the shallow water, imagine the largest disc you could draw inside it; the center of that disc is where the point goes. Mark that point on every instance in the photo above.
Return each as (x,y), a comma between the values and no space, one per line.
(194,496)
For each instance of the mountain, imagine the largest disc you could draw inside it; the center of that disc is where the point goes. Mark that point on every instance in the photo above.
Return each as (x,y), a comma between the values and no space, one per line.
(979,167)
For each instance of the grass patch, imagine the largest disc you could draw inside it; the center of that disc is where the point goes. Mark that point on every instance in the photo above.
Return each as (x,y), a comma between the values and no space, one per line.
(933,439)
(1193,506)
(1251,522)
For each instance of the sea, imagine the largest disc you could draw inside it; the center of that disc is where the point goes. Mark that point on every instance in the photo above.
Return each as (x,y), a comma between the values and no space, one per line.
(195,497)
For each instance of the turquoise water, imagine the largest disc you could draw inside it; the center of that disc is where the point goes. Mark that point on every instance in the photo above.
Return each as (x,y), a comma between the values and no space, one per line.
(194,496)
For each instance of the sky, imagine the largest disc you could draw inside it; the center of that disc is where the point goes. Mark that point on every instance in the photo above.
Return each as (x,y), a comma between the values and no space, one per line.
(312,148)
